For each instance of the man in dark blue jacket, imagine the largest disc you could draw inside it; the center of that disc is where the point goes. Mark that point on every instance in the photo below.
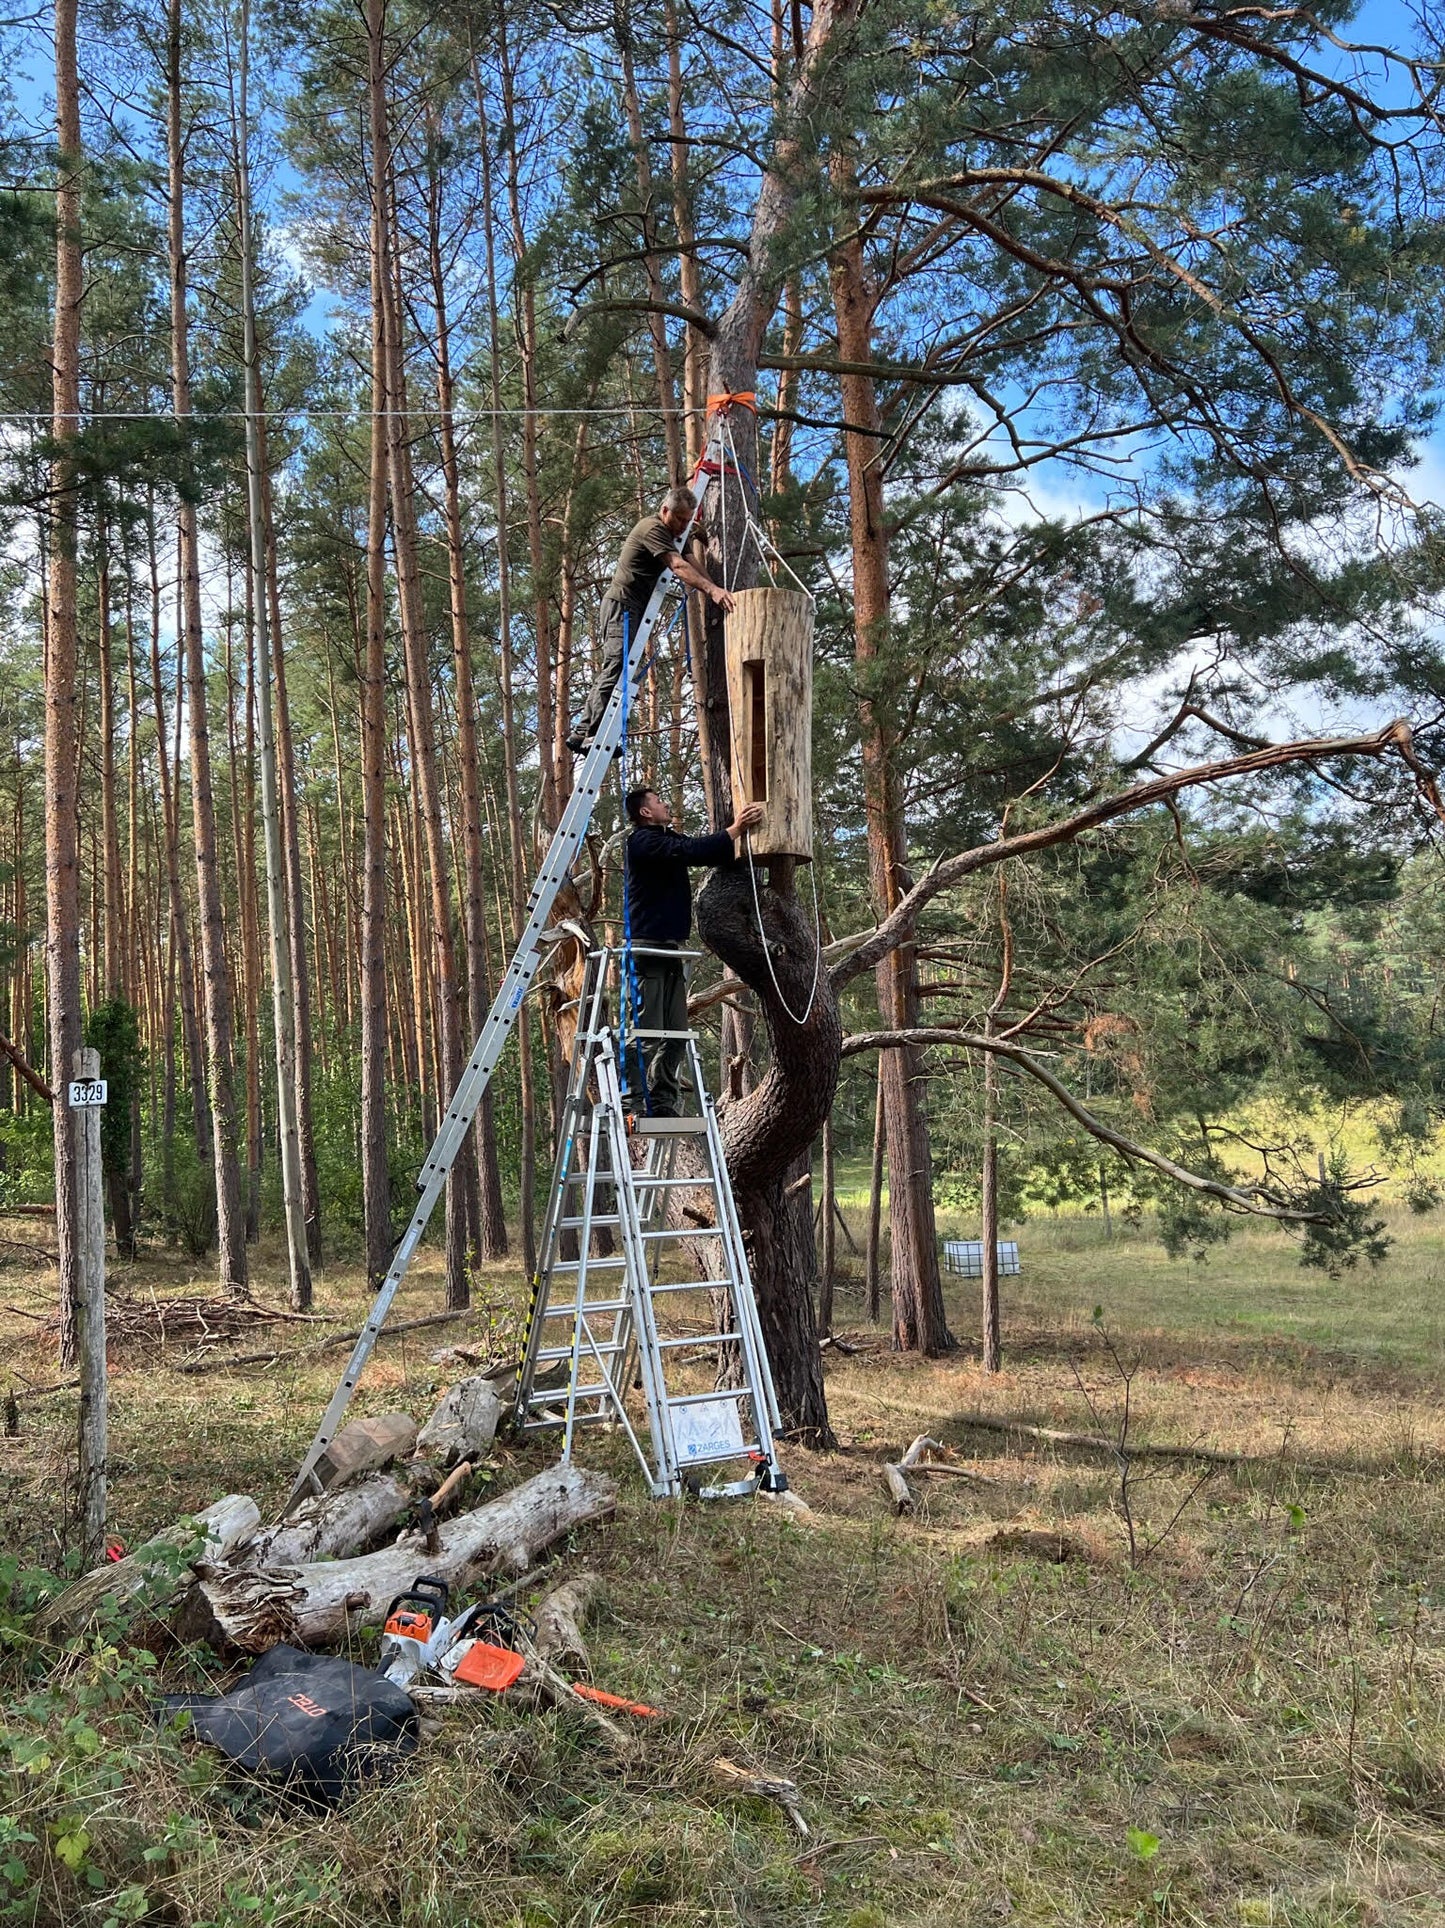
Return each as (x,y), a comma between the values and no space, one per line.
(659,912)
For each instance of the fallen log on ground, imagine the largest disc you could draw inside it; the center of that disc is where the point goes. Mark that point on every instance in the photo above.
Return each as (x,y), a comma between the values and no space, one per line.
(314,1603)
(559,1618)
(331,1526)
(1132,1449)
(214,1533)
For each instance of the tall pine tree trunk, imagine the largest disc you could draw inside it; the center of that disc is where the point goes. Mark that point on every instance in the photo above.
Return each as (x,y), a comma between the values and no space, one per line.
(179,947)
(295,902)
(527,1175)
(421,730)
(919,1324)
(493,1224)
(283,1003)
(62,815)
(220,1027)
(376,1179)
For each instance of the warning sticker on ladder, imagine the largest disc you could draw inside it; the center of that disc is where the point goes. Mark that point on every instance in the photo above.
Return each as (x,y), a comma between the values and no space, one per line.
(708,1431)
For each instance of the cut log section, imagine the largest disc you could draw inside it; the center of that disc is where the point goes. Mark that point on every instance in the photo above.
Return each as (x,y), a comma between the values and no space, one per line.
(464,1423)
(315,1603)
(214,1532)
(365,1446)
(769,640)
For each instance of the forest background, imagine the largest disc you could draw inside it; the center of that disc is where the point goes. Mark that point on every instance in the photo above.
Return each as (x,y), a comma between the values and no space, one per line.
(1097,355)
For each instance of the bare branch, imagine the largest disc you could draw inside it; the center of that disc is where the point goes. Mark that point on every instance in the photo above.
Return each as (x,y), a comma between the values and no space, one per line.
(1257,1201)
(858,954)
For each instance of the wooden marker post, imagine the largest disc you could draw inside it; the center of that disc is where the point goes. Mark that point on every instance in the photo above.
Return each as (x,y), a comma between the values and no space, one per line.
(84,1098)
(770,698)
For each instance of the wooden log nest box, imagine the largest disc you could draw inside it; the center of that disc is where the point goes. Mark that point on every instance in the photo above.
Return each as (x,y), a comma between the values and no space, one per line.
(770,697)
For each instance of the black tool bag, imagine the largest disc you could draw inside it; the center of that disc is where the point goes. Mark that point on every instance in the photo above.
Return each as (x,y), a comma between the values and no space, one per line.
(315,1723)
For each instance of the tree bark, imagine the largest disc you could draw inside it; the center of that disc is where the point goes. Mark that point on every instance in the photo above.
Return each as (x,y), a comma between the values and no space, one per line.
(230,1216)
(421,729)
(179,961)
(767,1131)
(479,992)
(919,1323)
(656,319)
(243,838)
(114,933)
(283,1002)
(828,1243)
(525,322)
(295,901)
(62,809)
(992,1346)
(527,1163)
(376,1177)
(875,1208)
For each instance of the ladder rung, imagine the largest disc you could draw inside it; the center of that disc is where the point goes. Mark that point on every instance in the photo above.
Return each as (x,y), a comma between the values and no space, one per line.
(593,1265)
(546,1406)
(692,1285)
(640,1180)
(705,1398)
(589,1351)
(567,1308)
(666,1127)
(576,1224)
(698,1339)
(630,1034)
(700,1231)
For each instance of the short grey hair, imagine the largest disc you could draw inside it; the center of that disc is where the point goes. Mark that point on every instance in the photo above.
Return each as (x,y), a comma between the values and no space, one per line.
(679,501)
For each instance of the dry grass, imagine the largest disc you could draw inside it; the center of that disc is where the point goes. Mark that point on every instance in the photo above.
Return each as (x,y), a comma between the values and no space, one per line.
(979,1737)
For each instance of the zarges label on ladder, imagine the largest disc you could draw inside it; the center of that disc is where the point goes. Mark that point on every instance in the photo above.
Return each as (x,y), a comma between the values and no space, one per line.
(708,1432)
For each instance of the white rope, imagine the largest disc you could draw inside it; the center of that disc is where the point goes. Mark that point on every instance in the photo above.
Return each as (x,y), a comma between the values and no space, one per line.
(767,953)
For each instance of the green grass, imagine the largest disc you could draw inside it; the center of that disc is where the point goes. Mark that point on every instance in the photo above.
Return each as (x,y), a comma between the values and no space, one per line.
(1245,1726)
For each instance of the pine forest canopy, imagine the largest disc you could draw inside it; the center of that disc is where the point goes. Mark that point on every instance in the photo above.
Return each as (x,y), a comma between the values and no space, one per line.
(1096,358)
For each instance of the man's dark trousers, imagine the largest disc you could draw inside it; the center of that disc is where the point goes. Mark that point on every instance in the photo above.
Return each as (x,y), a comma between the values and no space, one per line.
(662,989)
(614,627)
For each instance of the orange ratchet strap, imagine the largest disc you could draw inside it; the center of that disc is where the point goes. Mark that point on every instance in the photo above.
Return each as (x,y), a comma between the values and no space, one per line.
(747,399)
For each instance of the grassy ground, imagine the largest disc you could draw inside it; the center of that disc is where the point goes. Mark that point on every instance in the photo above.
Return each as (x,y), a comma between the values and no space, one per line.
(1242,1724)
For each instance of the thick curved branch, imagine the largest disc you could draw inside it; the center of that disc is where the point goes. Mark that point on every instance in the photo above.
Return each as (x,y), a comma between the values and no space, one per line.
(679,310)
(1257,1202)
(861,954)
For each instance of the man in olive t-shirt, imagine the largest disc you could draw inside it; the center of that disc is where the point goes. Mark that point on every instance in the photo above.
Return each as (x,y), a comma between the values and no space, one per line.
(650,548)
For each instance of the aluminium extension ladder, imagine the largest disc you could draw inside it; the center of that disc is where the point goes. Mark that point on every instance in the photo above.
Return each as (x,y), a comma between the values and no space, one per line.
(562,853)
(597,1323)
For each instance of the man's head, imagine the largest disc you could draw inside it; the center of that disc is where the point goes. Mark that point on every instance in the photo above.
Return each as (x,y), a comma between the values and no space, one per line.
(645,806)
(677,508)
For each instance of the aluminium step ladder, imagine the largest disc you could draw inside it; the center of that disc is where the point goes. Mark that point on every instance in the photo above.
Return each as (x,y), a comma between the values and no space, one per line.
(562,854)
(598,1323)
